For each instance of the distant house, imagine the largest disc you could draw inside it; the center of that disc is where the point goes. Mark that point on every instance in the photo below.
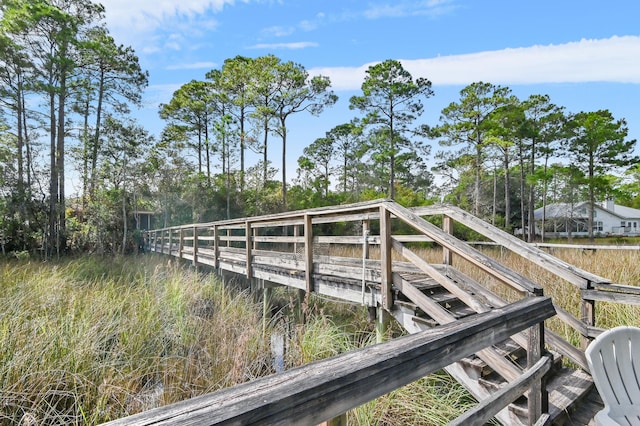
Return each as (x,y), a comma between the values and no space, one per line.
(143,220)
(608,219)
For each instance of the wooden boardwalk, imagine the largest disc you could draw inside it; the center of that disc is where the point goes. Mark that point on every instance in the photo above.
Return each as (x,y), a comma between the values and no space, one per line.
(350,253)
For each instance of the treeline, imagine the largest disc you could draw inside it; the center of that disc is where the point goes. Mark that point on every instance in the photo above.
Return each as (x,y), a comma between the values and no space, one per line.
(67,87)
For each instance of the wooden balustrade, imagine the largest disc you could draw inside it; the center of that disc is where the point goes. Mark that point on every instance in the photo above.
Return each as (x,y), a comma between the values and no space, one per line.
(283,248)
(323,390)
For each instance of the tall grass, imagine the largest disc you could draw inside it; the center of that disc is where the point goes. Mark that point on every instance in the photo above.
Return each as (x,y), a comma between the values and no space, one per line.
(90,340)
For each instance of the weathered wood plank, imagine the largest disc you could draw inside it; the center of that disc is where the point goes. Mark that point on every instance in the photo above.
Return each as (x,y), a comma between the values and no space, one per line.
(322,390)
(629,289)
(567,349)
(482,261)
(385,258)
(502,366)
(465,297)
(611,296)
(488,408)
(308,253)
(561,268)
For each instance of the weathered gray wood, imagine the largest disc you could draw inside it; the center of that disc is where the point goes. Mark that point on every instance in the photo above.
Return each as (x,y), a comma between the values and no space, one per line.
(447,226)
(180,242)
(488,408)
(385,258)
(538,400)
(279,239)
(248,246)
(611,296)
(308,252)
(485,263)
(500,365)
(587,315)
(563,269)
(195,246)
(567,349)
(431,308)
(216,245)
(322,390)
(588,246)
(465,297)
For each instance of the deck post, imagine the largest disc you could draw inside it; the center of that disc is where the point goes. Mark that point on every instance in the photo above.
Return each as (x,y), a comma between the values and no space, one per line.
(365,256)
(588,315)
(216,247)
(180,242)
(248,251)
(385,258)
(383,320)
(308,252)
(447,226)
(194,262)
(538,401)
(296,234)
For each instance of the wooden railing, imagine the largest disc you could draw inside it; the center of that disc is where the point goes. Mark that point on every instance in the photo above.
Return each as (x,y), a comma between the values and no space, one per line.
(592,287)
(323,390)
(246,246)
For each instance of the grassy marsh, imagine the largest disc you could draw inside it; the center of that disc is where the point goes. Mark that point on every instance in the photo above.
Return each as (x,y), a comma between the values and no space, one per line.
(84,341)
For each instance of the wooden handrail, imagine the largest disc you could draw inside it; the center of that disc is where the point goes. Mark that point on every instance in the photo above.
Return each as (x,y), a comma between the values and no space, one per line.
(488,408)
(569,272)
(323,390)
(228,233)
(470,254)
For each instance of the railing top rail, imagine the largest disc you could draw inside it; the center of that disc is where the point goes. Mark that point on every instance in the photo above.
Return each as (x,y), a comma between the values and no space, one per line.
(569,272)
(496,269)
(353,211)
(322,390)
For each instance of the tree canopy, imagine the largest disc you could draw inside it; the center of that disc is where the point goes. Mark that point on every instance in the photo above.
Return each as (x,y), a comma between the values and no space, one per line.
(68,89)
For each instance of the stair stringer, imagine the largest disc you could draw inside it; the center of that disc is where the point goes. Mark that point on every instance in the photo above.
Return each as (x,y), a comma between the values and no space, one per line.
(457,370)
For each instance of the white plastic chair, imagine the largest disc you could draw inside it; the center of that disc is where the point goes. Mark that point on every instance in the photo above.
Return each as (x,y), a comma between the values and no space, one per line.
(614,360)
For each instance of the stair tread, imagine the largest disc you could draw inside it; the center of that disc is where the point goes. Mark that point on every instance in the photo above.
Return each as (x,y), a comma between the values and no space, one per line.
(566,389)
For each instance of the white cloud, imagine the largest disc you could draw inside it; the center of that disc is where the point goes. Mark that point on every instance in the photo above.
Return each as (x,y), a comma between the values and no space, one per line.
(291,46)
(135,21)
(616,59)
(409,8)
(193,66)
(148,14)
(278,31)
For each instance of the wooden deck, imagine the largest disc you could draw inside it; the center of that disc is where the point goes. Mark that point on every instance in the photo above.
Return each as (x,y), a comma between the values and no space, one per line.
(384,270)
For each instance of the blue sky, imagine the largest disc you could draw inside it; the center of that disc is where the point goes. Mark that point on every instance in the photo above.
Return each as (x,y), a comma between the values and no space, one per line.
(584,54)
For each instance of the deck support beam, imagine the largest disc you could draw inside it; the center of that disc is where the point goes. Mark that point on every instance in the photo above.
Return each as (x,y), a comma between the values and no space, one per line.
(538,400)
(385,258)
(308,252)
(447,226)
(383,320)
(194,262)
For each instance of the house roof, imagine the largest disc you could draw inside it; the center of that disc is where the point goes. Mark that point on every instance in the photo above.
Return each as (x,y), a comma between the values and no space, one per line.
(579,211)
(560,211)
(626,212)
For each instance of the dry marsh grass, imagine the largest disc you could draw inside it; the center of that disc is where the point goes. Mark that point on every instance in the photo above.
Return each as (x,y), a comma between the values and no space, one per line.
(90,340)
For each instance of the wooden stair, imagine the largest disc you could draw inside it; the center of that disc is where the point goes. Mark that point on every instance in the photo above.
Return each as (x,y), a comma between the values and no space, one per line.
(423,302)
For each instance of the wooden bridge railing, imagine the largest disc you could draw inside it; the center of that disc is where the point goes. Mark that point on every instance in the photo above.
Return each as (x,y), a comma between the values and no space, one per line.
(323,390)
(591,286)
(216,244)
(377,230)
(239,245)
